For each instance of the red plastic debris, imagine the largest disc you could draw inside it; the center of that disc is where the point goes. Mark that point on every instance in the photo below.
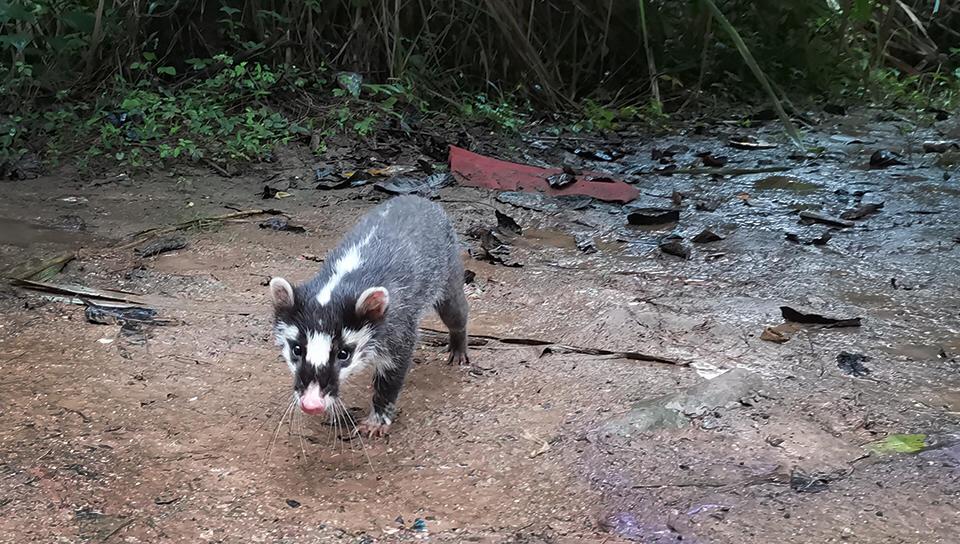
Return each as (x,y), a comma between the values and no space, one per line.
(473,170)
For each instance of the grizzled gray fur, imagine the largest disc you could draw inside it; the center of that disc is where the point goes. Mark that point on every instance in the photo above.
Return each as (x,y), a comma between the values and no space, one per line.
(365,305)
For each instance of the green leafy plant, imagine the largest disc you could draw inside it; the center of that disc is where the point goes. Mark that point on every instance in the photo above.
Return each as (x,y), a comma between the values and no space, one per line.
(501,114)
(72,68)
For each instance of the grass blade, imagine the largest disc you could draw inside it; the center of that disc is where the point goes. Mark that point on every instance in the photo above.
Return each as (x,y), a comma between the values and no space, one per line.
(788,125)
(651,62)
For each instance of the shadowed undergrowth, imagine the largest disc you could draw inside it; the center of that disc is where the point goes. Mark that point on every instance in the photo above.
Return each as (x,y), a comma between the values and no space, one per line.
(229,80)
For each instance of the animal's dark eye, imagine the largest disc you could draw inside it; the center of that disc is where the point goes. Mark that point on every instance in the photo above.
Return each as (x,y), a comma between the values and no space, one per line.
(297,350)
(343,355)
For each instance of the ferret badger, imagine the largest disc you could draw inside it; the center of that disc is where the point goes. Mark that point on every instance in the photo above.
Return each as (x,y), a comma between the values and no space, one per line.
(365,305)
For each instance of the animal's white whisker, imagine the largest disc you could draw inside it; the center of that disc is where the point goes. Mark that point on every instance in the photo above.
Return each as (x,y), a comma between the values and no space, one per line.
(276,433)
(336,426)
(363,447)
(300,427)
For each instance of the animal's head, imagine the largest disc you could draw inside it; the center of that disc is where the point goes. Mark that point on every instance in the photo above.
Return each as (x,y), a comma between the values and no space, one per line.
(324,339)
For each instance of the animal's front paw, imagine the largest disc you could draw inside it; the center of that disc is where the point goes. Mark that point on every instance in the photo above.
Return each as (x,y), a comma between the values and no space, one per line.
(458,357)
(376,425)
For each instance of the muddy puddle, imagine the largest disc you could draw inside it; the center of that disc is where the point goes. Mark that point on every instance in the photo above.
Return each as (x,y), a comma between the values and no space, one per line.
(181,431)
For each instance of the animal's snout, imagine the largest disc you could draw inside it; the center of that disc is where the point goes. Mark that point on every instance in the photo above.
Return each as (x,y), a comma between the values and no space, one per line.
(312,400)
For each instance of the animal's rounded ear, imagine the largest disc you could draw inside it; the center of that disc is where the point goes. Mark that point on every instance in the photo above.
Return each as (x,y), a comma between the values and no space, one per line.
(282,293)
(373,303)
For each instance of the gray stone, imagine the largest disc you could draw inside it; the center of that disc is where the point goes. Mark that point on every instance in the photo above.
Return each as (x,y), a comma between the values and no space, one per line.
(675,410)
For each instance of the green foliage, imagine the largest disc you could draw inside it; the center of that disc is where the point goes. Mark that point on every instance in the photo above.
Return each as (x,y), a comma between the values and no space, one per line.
(501,114)
(219,117)
(72,68)
(889,86)
(12,145)
(224,116)
(594,116)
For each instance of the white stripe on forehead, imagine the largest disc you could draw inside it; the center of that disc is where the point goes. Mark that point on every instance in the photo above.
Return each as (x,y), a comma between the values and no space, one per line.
(318,349)
(349,262)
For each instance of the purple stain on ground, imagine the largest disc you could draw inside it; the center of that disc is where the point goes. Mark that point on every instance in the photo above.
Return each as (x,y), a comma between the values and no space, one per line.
(642,529)
(624,524)
(946,454)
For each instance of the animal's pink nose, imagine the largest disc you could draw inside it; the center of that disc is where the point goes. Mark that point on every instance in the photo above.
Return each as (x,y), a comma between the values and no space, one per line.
(312,402)
(311,409)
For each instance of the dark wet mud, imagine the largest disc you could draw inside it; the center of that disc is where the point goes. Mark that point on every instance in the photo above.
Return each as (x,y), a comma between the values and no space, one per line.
(180,432)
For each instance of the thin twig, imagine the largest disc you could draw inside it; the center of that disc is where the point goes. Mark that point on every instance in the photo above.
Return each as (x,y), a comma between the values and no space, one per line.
(145,235)
(220,170)
(714,171)
(117,529)
(551,345)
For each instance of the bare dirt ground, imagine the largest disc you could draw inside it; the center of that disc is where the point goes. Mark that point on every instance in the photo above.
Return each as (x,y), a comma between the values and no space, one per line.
(177,433)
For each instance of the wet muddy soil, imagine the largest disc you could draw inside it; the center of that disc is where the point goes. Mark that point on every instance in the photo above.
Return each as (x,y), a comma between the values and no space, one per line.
(180,432)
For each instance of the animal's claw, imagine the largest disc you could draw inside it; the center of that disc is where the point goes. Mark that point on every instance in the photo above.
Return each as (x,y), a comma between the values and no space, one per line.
(459,357)
(372,427)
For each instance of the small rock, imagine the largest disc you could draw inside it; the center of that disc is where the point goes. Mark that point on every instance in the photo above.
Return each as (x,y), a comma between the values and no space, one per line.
(561,180)
(507,224)
(71,222)
(706,236)
(884,158)
(709,205)
(818,241)
(852,364)
(939,147)
(586,244)
(163,245)
(673,245)
(280,223)
(26,167)
(862,211)
(949,159)
(674,411)
(801,482)
(815,217)
(653,216)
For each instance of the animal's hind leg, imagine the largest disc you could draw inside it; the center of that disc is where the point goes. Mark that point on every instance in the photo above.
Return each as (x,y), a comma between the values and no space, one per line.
(453,311)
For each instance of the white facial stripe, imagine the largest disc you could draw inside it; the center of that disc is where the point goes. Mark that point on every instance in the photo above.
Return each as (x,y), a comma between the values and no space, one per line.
(357,338)
(362,352)
(318,349)
(283,334)
(349,262)
(286,357)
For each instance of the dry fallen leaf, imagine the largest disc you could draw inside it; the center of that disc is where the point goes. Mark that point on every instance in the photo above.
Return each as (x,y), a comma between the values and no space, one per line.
(544,445)
(389,171)
(779,334)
